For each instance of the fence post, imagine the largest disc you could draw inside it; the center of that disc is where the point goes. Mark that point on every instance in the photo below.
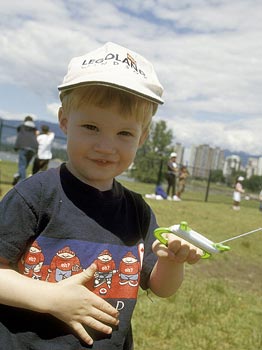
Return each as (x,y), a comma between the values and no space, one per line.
(159,177)
(208,184)
(1,128)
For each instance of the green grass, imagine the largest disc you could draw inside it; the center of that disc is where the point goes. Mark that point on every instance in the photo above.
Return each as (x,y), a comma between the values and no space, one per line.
(219,306)
(7,171)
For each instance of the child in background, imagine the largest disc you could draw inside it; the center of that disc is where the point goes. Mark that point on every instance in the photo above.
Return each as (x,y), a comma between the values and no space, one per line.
(183,174)
(76,244)
(238,190)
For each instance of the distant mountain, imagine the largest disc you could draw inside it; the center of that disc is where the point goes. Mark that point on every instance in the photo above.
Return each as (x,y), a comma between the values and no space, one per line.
(8,130)
(243,156)
(53,126)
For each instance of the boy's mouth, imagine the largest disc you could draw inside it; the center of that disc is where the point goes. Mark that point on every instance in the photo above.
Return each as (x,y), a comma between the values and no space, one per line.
(103,162)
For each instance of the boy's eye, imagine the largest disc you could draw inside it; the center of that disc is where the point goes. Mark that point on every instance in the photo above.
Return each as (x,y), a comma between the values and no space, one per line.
(90,127)
(125,133)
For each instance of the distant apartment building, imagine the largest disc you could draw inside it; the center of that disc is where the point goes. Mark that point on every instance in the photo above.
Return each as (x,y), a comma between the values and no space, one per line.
(259,166)
(206,159)
(232,164)
(179,149)
(200,159)
(203,158)
(254,166)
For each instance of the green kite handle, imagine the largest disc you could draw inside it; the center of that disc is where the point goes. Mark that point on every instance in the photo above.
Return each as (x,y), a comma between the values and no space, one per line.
(158,233)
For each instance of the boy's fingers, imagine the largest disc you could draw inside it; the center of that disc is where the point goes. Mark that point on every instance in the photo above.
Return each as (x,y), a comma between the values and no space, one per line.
(89,272)
(86,275)
(100,326)
(99,304)
(194,256)
(178,250)
(160,249)
(82,333)
(106,314)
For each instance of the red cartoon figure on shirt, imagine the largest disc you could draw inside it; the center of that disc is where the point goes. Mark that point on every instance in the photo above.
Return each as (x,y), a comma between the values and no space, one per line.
(105,269)
(64,264)
(129,268)
(32,261)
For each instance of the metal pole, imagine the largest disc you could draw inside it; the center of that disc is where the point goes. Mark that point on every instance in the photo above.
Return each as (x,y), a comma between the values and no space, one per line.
(1,128)
(159,177)
(208,185)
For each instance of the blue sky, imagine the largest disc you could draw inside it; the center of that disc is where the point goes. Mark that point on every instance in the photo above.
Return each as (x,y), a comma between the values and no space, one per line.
(207,54)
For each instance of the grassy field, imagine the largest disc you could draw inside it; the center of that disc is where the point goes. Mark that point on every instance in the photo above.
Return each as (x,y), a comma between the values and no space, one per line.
(7,170)
(219,306)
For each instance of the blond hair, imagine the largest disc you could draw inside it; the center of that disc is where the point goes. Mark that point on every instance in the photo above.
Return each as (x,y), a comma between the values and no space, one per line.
(103,96)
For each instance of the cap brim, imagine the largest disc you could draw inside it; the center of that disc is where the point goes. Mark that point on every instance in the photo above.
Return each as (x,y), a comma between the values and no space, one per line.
(113,85)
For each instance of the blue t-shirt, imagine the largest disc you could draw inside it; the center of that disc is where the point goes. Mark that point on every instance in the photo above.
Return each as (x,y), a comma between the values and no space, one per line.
(53,226)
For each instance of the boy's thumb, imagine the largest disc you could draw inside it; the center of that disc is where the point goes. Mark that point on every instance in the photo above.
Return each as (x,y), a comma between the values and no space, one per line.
(88,273)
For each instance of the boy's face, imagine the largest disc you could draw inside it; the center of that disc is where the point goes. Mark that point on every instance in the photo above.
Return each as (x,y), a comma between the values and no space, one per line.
(101,144)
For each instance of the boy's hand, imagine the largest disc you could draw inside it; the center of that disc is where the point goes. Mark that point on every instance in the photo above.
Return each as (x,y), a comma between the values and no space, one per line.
(77,306)
(178,250)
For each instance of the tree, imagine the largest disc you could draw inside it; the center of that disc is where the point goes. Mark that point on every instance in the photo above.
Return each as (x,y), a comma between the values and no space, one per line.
(161,138)
(254,183)
(153,154)
(217,176)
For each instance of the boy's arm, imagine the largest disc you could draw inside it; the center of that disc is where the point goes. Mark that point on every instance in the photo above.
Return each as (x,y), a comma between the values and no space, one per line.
(168,272)
(68,300)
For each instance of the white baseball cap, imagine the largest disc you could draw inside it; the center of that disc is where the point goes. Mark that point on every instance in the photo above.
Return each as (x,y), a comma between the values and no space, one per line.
(115,66)
(30,124)
(173,154)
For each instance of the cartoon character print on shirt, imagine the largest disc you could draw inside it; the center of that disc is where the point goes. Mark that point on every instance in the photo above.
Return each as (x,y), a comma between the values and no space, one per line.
(118,267)
(64,264)
(129,268)
(106,268)
(110,282)
(32,261)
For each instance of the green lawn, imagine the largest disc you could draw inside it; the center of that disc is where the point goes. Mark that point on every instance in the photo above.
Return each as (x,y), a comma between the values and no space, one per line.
(219,306)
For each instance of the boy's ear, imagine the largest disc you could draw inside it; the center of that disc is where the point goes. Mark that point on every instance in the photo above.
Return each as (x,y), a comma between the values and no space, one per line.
(143,137)
(62,120)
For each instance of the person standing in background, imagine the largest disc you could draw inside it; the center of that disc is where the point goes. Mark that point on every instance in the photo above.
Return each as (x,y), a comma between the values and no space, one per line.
(172,170)
(26,144)
(44,154)
(238,189)
(183,174)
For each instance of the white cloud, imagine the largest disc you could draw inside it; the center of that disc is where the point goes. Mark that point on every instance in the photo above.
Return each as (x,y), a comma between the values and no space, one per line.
(52,108)
(207,54)
(16,116)
(236,136)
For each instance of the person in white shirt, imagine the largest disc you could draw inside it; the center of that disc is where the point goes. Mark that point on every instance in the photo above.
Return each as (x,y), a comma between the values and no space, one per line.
(238,190)
(45,140)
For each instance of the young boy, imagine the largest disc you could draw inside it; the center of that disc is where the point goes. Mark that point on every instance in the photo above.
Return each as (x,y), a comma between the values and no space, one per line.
(74,243)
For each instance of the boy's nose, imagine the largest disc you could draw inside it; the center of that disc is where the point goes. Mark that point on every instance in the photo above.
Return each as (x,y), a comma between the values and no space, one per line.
(105,145)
